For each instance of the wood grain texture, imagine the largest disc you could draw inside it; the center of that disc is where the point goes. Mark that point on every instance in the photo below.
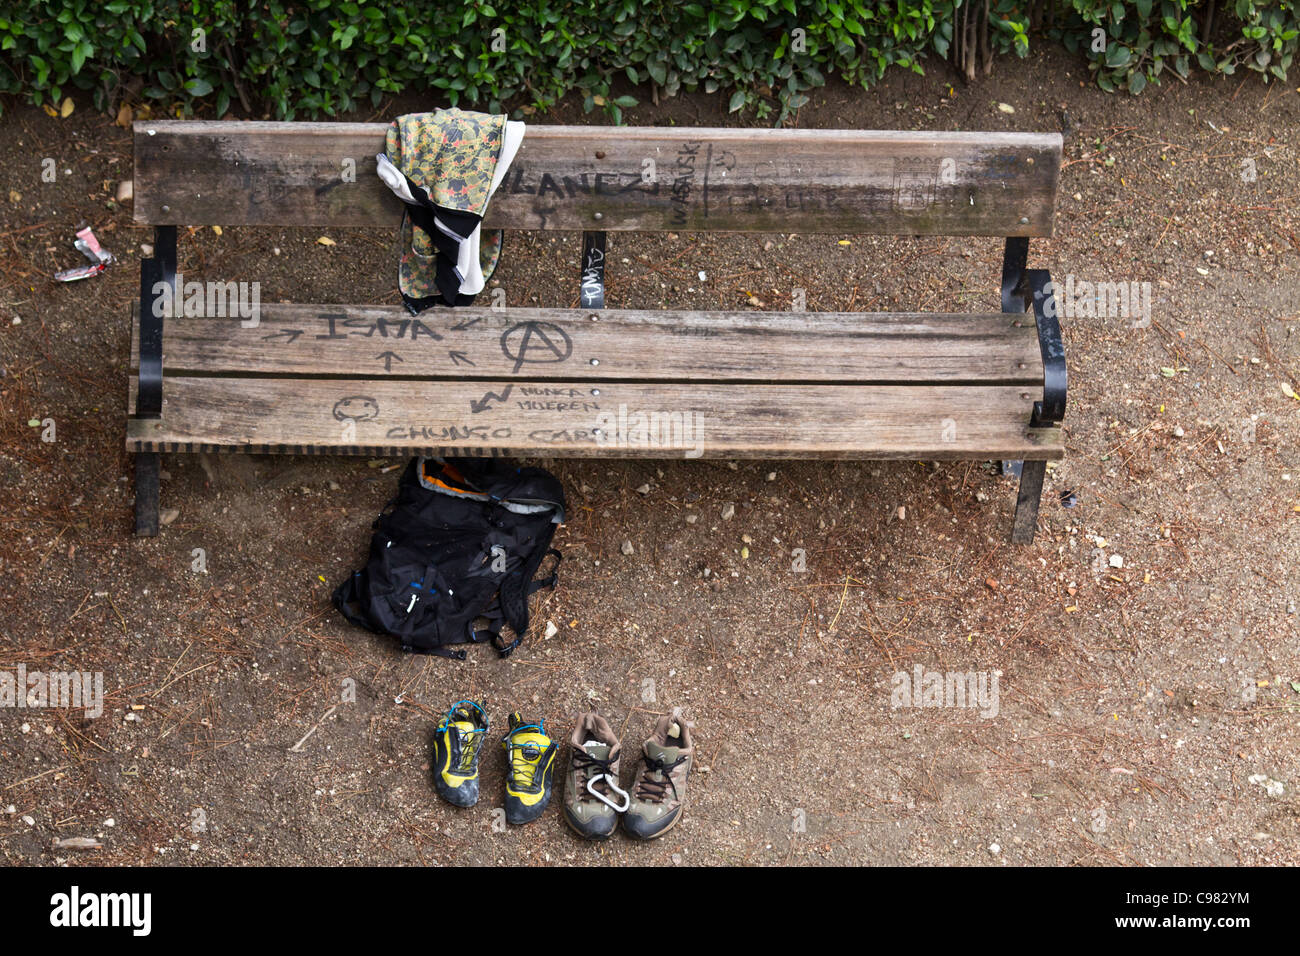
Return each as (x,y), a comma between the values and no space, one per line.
(576,419)
(594,178)
(480,343)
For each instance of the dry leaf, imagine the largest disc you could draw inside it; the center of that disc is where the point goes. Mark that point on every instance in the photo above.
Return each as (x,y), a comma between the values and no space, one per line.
(123,116)
(50,110)
(326,241)
(217,230)
(1006,108)
(66,110)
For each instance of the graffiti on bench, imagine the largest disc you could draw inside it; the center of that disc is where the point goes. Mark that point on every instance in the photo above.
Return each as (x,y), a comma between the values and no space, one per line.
(523,343)
(702,179)
(527,342)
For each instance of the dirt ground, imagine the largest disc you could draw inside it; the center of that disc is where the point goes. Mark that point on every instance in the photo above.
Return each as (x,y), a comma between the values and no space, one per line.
(1146,646)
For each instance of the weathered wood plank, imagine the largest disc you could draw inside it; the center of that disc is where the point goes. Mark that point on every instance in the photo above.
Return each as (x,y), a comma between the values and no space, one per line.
(470,343)
(548,418)
(600,178)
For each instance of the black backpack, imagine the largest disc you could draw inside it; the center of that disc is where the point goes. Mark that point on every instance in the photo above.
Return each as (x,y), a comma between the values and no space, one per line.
(460,543)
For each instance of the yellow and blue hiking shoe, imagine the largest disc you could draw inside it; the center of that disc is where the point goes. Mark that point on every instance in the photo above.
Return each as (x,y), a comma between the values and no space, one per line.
(457,743)
(530,759)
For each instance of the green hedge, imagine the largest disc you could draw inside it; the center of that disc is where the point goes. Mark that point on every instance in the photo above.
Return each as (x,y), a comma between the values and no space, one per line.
(1144,39)
(319,57)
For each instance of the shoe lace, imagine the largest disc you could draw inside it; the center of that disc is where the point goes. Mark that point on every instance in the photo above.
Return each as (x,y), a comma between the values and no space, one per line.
(465,747)
(465,744)
(523,770)
(656,791)
(592,768)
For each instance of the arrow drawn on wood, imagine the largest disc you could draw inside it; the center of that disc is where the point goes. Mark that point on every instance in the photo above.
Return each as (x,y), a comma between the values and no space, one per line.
(388,359)
(482,404)
(291,333)
(458,358)
(466,323)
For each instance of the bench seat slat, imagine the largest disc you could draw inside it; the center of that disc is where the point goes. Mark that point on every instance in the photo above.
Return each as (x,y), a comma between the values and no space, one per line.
(478,343)
(199,173)
(557,419)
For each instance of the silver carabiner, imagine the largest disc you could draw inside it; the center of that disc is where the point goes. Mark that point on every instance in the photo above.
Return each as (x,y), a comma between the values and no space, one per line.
(613,785)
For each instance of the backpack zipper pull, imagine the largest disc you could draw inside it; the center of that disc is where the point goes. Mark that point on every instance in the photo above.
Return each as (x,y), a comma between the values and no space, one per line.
(414,598)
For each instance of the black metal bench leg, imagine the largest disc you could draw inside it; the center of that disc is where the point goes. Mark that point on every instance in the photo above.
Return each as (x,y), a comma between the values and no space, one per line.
(593,270)
(146,494)
(159,269)
(1031,492)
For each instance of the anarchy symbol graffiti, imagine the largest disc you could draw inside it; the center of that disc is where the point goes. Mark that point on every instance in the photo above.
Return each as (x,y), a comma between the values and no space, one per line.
(535,342)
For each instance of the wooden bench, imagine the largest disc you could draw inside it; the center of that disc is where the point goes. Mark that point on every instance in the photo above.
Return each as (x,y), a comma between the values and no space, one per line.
(590,382)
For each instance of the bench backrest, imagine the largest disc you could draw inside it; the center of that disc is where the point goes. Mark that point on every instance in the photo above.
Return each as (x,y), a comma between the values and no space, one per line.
(601,178)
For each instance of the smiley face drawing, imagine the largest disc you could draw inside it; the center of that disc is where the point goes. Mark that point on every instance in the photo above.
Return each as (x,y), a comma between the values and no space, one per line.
(357,408)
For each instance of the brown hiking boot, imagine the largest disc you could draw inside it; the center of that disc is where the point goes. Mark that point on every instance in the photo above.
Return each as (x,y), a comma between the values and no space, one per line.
(660,787)
(592,798)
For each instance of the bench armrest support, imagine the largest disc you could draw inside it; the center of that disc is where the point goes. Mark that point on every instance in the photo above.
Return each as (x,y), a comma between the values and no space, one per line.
(1051,410)
(1022,289)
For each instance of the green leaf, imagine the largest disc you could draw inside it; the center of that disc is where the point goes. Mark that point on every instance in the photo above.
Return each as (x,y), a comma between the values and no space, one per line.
(737,101)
